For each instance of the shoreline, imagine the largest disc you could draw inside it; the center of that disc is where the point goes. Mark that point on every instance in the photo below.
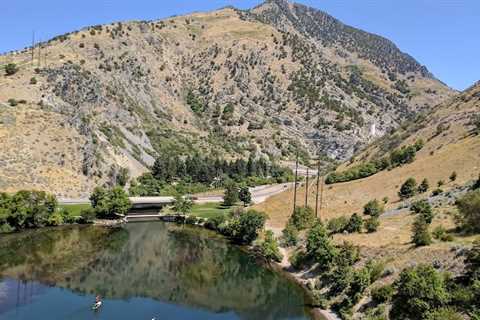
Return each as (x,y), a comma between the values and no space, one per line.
(284,267)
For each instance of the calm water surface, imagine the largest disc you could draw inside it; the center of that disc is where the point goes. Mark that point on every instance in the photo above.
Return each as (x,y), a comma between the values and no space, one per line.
(143,271)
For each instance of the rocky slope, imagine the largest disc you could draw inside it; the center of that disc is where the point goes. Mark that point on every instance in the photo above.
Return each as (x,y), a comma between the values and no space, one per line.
(451,144)
(272,80)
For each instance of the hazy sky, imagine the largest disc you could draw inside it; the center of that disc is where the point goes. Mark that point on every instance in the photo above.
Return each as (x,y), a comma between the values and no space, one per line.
(442,34)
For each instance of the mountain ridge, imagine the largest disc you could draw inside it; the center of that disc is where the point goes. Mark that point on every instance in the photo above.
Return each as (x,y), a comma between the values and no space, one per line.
(220,82)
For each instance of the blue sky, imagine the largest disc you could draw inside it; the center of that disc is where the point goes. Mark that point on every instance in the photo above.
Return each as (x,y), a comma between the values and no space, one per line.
(442,34)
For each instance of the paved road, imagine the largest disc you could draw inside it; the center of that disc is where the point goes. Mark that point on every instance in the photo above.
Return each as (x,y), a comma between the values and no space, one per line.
(259,195)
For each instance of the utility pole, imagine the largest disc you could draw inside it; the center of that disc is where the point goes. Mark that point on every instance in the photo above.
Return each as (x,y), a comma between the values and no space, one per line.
(321,195)
(318,185)
(33,46)
(306,188)
(296,185)
(39,54)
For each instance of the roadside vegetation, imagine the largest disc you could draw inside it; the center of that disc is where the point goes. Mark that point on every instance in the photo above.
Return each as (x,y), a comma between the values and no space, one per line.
(34,209)
(397,158)
(172,174)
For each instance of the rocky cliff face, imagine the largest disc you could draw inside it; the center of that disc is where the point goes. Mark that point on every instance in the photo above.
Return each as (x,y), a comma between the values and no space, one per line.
(272,80)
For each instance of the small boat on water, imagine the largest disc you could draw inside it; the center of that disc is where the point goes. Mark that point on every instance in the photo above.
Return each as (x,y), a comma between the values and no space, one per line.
(97,305)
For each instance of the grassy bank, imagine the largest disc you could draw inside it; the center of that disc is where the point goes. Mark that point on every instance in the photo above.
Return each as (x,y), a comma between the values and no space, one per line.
(74,209)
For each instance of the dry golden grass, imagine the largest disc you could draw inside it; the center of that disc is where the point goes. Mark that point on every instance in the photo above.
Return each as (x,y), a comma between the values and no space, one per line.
(453,150)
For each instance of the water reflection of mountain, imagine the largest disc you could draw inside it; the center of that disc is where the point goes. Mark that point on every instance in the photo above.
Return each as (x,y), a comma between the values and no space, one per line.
(165,262)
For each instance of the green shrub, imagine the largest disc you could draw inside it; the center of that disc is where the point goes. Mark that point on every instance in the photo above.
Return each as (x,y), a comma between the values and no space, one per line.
(437,192)
(439,232)
(423,208)
(11,69)
(302,218)
(245,196)
(360,282)
(269,248)
(232,194)
(215,223)
(192,220)
(337,225)
(290,236)
(420,290)
(469,211)
(298,259)
(182,205)
(347,255)
(12,102)
(472,262)
(476,184)
(374,208)
(376,269)
(56,219)
(383,294)
(421,235)
(423,187)
(88,216)
(453,176)
(244,229)
(408,189)
(371,224)
(26,209)
(319,246)
(355,224)
(444,314)
(110,203)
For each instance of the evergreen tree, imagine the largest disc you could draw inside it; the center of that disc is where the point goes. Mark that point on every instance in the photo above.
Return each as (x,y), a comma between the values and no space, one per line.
(245,196)
(231,194)
(423,208)
(421,235)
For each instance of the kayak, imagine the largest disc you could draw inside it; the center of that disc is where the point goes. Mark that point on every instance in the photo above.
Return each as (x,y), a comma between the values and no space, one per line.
(97,305)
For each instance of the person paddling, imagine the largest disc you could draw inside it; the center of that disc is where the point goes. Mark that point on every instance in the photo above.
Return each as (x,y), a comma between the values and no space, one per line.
(98,302)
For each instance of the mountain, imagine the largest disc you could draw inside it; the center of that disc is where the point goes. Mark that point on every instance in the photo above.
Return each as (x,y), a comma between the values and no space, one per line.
(271,81)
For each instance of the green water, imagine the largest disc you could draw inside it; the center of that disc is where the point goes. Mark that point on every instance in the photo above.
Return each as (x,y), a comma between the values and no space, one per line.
(143,271)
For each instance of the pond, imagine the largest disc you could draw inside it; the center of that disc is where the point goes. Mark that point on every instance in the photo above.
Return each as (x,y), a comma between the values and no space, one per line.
(142,271)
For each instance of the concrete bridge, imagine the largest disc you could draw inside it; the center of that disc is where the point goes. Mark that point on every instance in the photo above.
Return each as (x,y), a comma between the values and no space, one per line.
(151,202)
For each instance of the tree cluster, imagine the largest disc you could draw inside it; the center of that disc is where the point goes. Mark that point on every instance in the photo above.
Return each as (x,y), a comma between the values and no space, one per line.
(110,203)
(209,170)
(468,206)
(28,209)
(423,293)
(242,227)
(396,158)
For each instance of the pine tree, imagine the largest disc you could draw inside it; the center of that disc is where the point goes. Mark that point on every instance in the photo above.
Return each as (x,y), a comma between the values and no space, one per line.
(421,234)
